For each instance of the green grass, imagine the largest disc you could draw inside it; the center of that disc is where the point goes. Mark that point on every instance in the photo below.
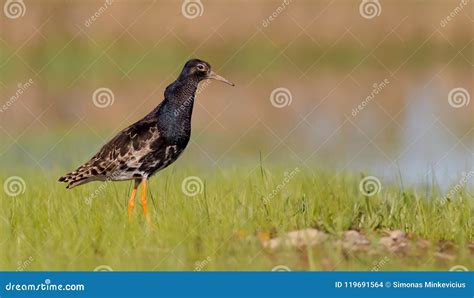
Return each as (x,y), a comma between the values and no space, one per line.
(51,228)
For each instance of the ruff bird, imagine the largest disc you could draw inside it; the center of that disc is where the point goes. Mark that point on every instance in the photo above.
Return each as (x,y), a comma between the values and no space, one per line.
(152,143)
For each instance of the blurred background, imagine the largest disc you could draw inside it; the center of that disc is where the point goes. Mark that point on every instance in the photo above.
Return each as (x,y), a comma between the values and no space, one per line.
(382,87)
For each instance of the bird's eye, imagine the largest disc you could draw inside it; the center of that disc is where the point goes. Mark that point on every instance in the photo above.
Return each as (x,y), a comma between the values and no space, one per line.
(201,67)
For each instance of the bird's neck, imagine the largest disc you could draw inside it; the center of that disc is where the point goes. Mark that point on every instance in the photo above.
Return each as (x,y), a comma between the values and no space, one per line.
(179,96)
(176,110)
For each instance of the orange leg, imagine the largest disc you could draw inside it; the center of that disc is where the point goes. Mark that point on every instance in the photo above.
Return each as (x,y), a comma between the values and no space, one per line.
(131,201)
(143,200)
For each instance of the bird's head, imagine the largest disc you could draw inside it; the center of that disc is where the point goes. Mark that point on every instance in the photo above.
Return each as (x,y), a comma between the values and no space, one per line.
(201,70)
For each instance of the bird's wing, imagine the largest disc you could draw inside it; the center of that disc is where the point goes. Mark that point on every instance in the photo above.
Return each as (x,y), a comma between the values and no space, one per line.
(133,138)
(130,143)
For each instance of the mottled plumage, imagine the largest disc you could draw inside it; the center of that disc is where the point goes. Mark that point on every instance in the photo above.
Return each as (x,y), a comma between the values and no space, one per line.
(152,143)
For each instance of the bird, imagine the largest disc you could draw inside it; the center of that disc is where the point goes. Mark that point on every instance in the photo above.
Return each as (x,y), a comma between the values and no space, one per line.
(153,142)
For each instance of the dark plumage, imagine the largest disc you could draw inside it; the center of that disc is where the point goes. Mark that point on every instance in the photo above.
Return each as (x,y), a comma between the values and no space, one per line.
(152,143)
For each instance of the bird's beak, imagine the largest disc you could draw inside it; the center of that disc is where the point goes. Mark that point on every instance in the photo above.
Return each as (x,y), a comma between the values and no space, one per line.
(215,76)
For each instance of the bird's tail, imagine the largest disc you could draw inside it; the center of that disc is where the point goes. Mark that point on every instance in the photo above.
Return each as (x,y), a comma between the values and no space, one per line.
(81,175)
